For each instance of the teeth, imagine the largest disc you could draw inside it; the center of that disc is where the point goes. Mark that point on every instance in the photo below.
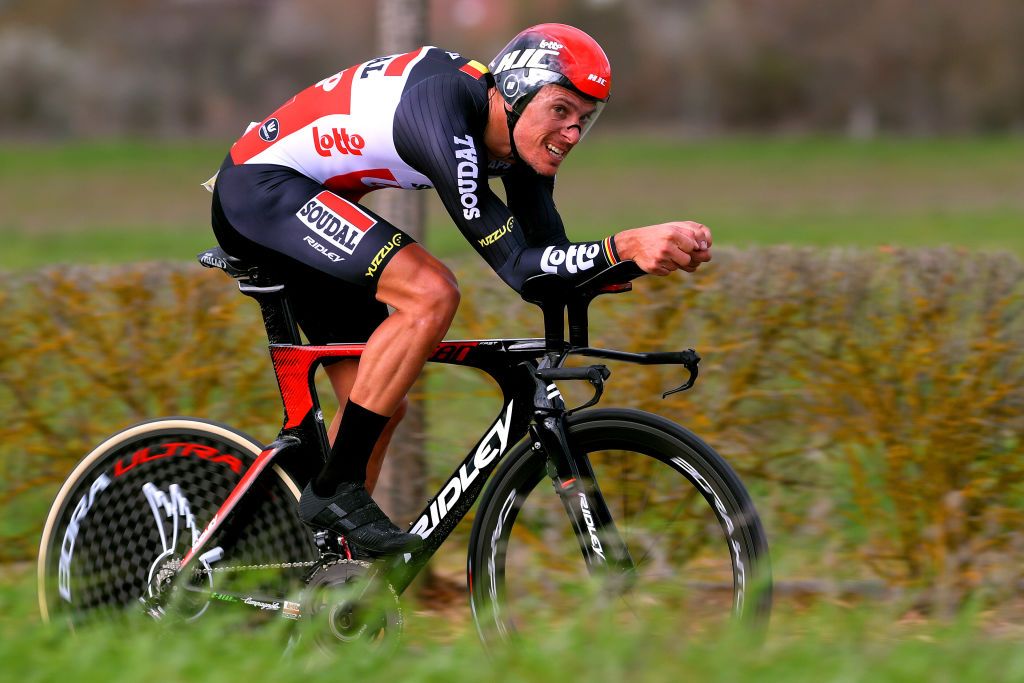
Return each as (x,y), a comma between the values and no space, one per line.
(554,150)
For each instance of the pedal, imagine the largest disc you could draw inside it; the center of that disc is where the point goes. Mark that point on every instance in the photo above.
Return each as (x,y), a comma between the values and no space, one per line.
(327,543)
(332,545)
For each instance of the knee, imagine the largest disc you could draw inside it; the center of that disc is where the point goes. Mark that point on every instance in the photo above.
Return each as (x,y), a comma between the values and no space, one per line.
(438,296)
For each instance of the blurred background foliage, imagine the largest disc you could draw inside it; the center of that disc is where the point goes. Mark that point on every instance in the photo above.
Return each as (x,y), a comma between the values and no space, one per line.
(191,67)
(871,398)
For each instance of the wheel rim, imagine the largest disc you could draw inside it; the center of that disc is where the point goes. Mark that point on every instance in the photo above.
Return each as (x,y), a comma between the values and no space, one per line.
(690,573)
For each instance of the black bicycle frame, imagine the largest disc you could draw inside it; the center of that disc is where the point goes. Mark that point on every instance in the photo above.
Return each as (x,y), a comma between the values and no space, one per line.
(524,369)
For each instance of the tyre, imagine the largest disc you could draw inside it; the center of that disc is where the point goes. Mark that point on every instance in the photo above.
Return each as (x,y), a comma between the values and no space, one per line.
(698,546)
(136,503)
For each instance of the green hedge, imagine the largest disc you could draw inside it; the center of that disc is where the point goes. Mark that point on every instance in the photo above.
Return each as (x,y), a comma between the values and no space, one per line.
(871,399)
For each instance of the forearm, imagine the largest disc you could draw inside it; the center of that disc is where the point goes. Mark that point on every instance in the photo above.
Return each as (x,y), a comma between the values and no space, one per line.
(572,261)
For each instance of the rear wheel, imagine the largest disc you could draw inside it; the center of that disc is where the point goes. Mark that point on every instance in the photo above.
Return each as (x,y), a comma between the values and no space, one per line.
(700,553)
(133,507)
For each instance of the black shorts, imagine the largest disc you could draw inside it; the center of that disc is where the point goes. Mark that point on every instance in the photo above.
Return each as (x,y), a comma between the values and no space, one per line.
(329,251)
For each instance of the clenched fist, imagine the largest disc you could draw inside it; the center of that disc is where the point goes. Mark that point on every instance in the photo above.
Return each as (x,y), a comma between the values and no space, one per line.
(661,249)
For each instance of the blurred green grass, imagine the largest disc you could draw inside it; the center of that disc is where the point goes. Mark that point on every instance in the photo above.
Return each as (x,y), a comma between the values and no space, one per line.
(820,643)
(126,201)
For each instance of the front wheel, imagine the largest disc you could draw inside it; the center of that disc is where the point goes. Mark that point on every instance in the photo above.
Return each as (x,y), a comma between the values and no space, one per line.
(132,507)
(696,542)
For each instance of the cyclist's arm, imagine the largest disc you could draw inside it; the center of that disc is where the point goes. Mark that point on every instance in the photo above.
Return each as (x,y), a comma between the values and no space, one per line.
(439,132)
(531,198)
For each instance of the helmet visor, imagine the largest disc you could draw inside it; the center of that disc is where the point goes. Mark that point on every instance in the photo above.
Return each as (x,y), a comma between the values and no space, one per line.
(521,86)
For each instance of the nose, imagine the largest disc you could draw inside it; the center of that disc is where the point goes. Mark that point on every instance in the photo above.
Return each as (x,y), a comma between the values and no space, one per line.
(572,133)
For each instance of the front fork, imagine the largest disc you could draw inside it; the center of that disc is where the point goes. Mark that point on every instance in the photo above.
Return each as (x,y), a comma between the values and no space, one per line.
(574,481)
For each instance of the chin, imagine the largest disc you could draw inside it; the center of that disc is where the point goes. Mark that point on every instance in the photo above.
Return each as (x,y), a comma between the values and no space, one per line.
(544,168)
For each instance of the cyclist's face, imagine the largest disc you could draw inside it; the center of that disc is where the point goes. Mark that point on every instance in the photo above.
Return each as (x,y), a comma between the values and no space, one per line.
(550,127)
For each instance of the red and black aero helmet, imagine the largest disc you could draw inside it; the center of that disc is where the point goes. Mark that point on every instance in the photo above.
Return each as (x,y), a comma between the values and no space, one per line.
(552,54)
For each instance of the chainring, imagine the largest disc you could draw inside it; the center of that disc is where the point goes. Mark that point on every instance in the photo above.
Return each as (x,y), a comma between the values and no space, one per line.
(342,604)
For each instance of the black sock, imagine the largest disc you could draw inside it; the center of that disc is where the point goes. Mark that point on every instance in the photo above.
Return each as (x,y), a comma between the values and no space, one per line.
(357,435)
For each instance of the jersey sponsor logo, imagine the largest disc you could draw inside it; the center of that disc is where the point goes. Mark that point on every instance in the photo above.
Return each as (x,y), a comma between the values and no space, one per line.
(497,234)
(322,249)
(329,83)
(373,66)
(597,79)
(382,254)
(270,130)
(339,140)
(530,58)
(468,172)
(576,258)
(344,231)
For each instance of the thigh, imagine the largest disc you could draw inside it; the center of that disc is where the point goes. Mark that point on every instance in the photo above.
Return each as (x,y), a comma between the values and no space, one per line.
(328,251)
(330,310)
(285,220)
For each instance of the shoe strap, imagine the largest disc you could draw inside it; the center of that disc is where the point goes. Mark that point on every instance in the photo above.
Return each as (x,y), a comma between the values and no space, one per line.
(368,514)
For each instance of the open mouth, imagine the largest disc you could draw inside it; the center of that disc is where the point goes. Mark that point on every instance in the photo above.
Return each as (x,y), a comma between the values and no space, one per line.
(556,152)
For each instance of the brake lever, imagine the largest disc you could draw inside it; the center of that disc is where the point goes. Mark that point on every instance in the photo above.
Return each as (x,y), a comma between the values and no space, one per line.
(689,360)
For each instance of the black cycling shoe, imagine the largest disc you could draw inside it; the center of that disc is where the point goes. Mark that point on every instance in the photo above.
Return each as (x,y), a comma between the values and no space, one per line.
(351,513)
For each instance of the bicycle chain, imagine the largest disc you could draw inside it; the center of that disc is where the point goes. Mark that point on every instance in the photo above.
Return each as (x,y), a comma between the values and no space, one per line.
(203,571)
(274,565)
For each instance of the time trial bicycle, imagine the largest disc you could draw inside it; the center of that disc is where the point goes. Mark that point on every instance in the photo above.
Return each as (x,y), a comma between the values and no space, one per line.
(633,504)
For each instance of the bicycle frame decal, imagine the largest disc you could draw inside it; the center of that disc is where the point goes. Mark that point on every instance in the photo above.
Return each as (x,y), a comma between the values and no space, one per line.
(588,519)
(453,352)
(486,452)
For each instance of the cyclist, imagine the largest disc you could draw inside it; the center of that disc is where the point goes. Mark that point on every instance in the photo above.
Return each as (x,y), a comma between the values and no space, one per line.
(287,197)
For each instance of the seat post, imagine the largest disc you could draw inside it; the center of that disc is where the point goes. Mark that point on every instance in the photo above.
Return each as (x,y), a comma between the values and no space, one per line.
(277,313)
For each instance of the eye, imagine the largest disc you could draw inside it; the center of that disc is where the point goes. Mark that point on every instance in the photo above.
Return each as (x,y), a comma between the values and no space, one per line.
(559,110)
